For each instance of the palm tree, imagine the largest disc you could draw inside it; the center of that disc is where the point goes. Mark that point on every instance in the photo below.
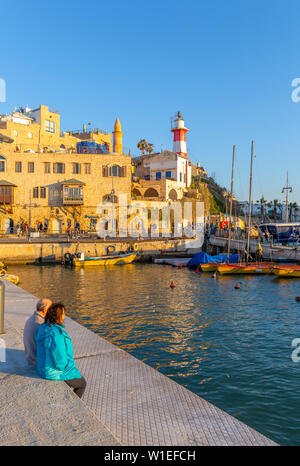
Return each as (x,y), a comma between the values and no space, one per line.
(142,145)
(262,202)
(149,148)
(293,206)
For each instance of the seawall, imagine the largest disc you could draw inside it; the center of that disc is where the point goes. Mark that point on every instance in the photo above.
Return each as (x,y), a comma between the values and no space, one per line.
(17,251)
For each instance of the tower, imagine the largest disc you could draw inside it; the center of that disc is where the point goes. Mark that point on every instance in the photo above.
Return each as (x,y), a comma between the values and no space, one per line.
(117,138)
(179,131)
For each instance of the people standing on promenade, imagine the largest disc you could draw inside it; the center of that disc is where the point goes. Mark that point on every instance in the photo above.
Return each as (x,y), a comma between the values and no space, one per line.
(55,359)
(31,326)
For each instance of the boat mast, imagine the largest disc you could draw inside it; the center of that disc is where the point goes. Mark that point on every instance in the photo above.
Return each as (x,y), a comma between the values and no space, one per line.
(287,189)
(250,200)
(230,208)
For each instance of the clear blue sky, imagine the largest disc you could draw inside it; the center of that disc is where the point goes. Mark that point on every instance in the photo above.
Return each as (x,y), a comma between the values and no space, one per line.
(226,64)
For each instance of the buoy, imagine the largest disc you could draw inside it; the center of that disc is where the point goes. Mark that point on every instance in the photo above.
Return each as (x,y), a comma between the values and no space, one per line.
(297,298)
(237,286)
(197,270)
(172,285)
(180,266)
(214,275)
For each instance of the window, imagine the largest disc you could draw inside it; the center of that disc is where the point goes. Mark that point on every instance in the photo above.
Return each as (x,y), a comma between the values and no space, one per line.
(2,166)
(43,193)
(76,168)
(30,135)
(168,174)
(158,176)
(58,167)
(87,168)
(73,194)
(35,193)
(47,167)
(184,178)
(18,167)
(115,170)
(16,132)
(50,126)
(30,167)
(180,176)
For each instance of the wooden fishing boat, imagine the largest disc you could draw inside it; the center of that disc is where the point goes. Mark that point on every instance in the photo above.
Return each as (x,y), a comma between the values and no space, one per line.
(287,271)
(10,277)
(120,259)
(210,267)
(246,269)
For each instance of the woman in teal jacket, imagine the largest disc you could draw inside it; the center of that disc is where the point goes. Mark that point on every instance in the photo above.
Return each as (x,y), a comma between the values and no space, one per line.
(54,357)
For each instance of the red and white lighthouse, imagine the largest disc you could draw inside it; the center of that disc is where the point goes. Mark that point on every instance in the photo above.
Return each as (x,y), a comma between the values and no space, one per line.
(179,131)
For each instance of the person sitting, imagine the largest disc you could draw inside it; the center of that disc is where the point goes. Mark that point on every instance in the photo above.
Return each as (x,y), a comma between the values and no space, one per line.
(54,360)
(30,328)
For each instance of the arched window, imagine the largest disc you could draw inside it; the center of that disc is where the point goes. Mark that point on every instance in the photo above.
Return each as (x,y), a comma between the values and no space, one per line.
(115,170)
(151,192)
(173,195)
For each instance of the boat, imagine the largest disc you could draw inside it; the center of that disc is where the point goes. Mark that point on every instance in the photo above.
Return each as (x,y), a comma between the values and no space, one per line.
(120,259)
(254,268)
(210,267)
(281,233)
(287,271)
(9,277)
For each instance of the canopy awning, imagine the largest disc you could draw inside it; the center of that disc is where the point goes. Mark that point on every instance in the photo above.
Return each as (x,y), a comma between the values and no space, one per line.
(73,181)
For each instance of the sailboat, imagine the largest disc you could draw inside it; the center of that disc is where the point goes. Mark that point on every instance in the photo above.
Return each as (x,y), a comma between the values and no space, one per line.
(253,268)
(213,266)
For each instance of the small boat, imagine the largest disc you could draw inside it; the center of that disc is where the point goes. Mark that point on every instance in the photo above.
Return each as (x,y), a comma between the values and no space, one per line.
(120,259)
(246,269)
(210,267)
(11,278)
(287,271)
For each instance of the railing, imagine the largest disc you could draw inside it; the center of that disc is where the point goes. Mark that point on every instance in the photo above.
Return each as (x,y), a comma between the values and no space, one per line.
(87,131)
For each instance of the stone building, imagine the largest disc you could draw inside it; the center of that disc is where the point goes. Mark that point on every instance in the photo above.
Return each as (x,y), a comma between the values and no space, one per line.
(57,178)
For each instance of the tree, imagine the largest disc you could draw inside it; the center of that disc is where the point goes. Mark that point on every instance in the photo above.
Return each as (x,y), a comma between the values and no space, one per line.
(292,207)
(262,202)
(142,145)
(145,146)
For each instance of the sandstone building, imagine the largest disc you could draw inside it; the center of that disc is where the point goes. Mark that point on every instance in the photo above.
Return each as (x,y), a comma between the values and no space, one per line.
(56,177)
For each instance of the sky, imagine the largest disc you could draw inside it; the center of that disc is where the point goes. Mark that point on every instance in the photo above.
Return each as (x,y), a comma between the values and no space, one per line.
(227,65)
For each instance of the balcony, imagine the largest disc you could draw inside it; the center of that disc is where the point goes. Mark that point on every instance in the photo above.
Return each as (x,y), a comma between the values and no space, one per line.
(72,192)
(6,192)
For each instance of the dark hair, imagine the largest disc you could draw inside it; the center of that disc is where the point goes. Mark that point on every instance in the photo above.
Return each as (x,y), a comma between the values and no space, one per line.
(54,314)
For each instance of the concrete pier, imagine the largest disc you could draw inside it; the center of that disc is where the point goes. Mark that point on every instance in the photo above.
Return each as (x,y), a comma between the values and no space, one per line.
(126,402)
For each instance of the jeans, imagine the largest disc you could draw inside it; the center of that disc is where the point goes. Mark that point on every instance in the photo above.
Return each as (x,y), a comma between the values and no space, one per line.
(78,385)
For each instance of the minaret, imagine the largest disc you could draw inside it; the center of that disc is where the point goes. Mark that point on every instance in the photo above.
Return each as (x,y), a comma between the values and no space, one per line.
(179,141)
(117,138)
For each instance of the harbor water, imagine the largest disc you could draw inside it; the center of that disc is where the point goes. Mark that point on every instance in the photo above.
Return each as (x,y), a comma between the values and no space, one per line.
(232,347)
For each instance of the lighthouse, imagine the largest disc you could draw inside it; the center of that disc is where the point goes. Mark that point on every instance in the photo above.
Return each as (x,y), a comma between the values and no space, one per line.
(179,131)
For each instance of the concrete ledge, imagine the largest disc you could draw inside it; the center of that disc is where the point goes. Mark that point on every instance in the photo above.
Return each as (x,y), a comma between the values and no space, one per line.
(134,403)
